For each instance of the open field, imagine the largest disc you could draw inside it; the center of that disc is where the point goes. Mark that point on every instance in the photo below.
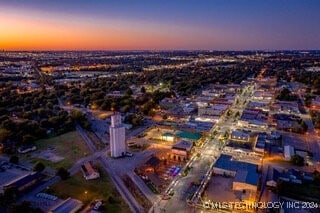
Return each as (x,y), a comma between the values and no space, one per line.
(87,191)
(66,149)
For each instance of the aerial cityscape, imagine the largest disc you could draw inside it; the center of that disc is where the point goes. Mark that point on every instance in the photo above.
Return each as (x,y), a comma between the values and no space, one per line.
(159,106)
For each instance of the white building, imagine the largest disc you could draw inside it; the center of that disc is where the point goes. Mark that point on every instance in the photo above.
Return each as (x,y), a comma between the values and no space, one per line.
(288,152)
(117,137)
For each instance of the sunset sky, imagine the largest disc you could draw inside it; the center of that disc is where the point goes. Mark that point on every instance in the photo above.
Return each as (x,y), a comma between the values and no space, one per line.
(159,25)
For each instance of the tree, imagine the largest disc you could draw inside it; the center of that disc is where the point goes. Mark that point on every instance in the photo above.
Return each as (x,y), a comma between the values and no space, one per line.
(14,159)
(9,195)
(165,117)
(63,173)
(129,91)
(27,139)
(308,100)
(237,114)
(25,206)
(39,167)
(143,90)
(286,95)
(4,135)
(316,177)
(77,115)
(297,160)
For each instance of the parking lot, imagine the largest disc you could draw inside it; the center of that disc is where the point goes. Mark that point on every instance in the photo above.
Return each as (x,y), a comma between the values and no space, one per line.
(164,174)
(219,189)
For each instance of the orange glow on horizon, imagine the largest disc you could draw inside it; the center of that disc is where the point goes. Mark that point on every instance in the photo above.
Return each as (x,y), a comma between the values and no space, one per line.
(21,32)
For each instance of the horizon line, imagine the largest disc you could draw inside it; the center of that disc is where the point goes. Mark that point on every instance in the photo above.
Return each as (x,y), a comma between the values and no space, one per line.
(157,50)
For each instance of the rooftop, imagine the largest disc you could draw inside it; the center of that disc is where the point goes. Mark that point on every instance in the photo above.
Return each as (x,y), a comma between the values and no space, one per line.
(68,205)
(189,135)
(247,171)
(183,145)
(153,161)
(25,179)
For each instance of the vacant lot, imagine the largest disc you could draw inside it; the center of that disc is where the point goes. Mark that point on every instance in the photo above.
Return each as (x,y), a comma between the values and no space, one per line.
(220,190)
(87,191)
(63,150)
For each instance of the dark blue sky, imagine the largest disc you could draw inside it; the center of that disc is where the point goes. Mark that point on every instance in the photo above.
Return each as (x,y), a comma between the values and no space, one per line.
(189,24)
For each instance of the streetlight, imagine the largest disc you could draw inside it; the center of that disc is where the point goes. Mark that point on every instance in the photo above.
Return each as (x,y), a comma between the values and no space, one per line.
(86,194)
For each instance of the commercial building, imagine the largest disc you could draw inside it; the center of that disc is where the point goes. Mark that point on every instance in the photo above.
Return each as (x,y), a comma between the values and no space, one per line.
(168,136)
(262,95)
(253,118)
(241,136)
(25,183)
(288,151)
(189,136)
(260,143)
(288,175)
(150,165)
(69,205)
(117,137)
(214,111)
(180,151)
(286,107)
(245,174)
(258,105)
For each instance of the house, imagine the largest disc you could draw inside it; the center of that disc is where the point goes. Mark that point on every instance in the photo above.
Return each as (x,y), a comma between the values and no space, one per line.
(89,173)
(181,150)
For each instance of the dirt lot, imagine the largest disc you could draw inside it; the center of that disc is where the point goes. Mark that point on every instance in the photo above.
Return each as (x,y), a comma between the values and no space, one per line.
(220,190)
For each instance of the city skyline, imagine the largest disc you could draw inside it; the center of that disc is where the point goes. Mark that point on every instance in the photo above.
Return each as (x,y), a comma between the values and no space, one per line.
(153,25)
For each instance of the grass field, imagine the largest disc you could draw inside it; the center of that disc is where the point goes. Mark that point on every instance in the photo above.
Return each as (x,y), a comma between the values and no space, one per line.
(69,145)
(87,191)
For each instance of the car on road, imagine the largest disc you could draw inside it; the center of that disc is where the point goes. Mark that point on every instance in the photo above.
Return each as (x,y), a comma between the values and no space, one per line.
(129,154)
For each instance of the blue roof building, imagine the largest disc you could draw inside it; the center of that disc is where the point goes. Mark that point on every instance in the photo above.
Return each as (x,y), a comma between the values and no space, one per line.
(245,174)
